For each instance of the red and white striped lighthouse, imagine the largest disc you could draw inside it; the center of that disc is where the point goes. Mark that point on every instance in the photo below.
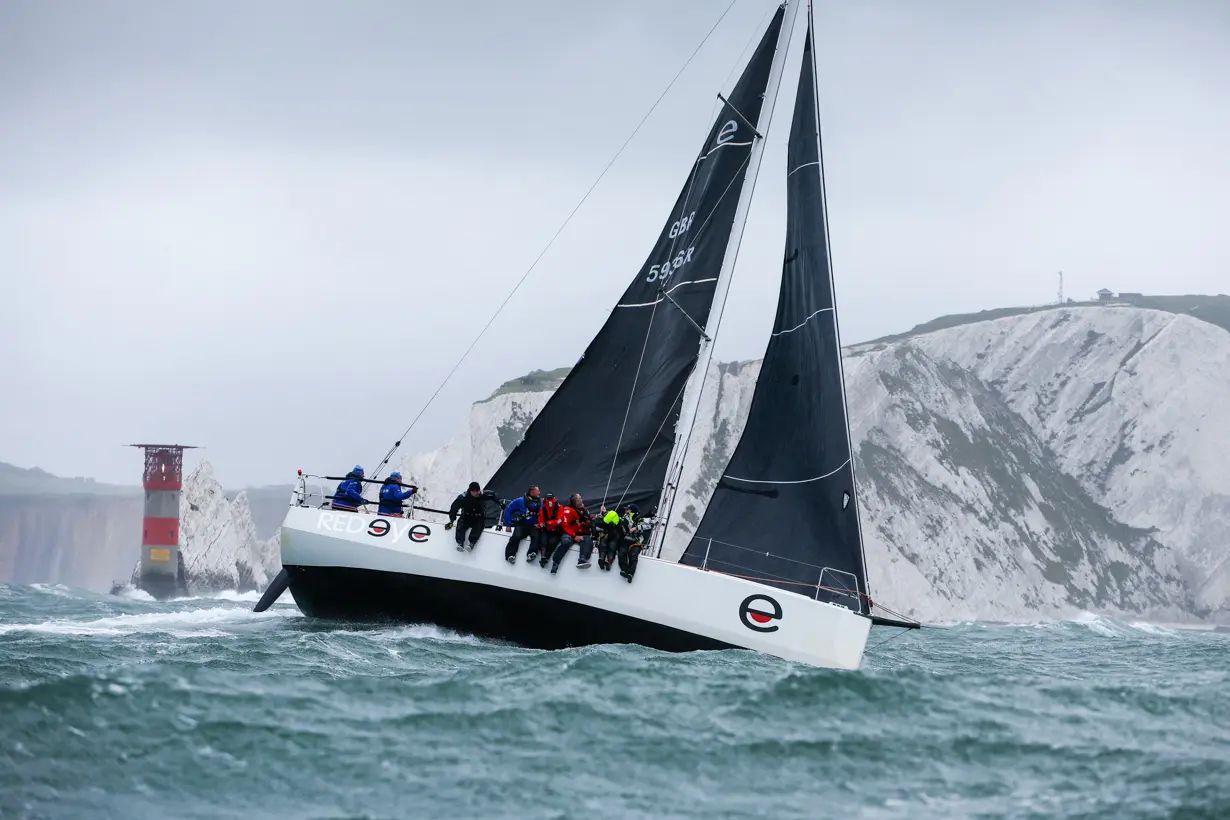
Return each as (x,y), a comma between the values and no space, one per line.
(164,477)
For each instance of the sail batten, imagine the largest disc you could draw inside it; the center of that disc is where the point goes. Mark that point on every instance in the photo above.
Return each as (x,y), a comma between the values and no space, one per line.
(802,323)
(609,429)
(829,474)
(782,510)
(662,298)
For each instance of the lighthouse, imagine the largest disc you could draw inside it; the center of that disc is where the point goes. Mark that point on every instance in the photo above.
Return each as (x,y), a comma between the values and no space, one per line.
(161,571)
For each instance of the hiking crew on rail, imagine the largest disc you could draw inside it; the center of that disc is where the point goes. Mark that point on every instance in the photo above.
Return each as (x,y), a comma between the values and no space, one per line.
(469,513)
(549,528)
(574,521)
(521,518)
(549,532)
(633,533)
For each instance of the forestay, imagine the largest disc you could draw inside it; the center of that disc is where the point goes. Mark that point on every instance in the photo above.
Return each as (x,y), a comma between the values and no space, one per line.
(784,511)
(608,431)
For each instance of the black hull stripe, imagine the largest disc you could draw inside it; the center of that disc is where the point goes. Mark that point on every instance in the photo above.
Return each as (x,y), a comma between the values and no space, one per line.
(535,621)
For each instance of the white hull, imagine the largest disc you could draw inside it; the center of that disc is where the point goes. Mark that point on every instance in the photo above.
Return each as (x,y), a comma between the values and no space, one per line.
(355,565)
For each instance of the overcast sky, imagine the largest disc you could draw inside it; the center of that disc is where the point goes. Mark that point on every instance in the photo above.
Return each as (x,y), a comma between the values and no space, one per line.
(270,228)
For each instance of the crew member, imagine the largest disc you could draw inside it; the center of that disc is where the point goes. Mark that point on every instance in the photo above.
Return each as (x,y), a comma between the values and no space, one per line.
(349,494)
(469,512)
(633,533)
(549,532)
(521,516)
(607,534)
(574,521)
(392,496)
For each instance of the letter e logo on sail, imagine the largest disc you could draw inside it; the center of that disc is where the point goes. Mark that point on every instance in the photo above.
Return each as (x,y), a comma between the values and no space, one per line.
(758,612)
(728,132)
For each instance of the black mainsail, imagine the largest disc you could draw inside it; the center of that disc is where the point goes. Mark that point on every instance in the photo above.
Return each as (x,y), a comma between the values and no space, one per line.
(608,431)
(784,511)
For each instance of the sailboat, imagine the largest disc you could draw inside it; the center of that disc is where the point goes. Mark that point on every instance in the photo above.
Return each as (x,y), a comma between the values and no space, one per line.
(776,564)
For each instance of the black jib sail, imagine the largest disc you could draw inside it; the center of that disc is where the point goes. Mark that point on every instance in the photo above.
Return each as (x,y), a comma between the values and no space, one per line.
(608,431)
(784,511)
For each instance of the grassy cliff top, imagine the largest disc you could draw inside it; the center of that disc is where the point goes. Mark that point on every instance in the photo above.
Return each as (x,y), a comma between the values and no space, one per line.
(20,481)
(533,382)
(1212,309)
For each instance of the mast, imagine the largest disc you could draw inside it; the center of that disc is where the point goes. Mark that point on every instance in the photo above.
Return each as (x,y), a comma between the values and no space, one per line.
(692,394)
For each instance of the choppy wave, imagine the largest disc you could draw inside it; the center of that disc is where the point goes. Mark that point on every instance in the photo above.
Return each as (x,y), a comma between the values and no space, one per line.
(134,594)
(115,707)
(1097,624)
(182,623)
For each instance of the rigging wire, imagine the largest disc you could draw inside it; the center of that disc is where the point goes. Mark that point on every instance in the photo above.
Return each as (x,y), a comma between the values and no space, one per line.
(678,463)
(683,212)
(881,644)
(708,340)
(632,395)
(551,242)
(628,410)
(649,329)
(828,244)
(718,102)
(648,449)
(759,27)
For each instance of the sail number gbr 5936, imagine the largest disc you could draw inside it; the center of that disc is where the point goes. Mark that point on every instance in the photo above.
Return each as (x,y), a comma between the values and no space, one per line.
(664,271)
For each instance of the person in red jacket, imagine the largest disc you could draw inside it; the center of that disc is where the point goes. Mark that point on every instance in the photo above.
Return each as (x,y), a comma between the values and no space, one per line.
(574,521)
(549,529)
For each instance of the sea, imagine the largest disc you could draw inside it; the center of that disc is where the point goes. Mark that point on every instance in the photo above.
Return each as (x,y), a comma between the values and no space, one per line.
(200,708)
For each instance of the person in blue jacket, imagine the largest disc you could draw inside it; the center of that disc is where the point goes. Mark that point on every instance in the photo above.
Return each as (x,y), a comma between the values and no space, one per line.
(349,494)
(521,516)
(392,496)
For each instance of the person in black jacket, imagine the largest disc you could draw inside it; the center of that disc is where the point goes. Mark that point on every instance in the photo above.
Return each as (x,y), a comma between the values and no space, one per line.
(607,532)
(634,531)
(470,514)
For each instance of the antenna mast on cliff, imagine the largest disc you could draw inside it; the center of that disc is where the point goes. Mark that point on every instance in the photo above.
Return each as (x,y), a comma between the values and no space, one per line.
(1061,287)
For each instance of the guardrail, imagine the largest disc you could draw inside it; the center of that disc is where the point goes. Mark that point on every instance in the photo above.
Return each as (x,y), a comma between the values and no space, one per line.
(321,497)
(839,584)
(833,585)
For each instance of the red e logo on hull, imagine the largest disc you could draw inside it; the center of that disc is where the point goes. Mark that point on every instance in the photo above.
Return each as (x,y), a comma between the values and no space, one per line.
(758,612)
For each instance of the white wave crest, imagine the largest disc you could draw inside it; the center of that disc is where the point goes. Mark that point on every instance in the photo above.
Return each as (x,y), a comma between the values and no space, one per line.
(1110,628)
(134,594)
(1151,629)
(58,590)
(410,632)
(250,597)
(1098,624)
(195,623)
